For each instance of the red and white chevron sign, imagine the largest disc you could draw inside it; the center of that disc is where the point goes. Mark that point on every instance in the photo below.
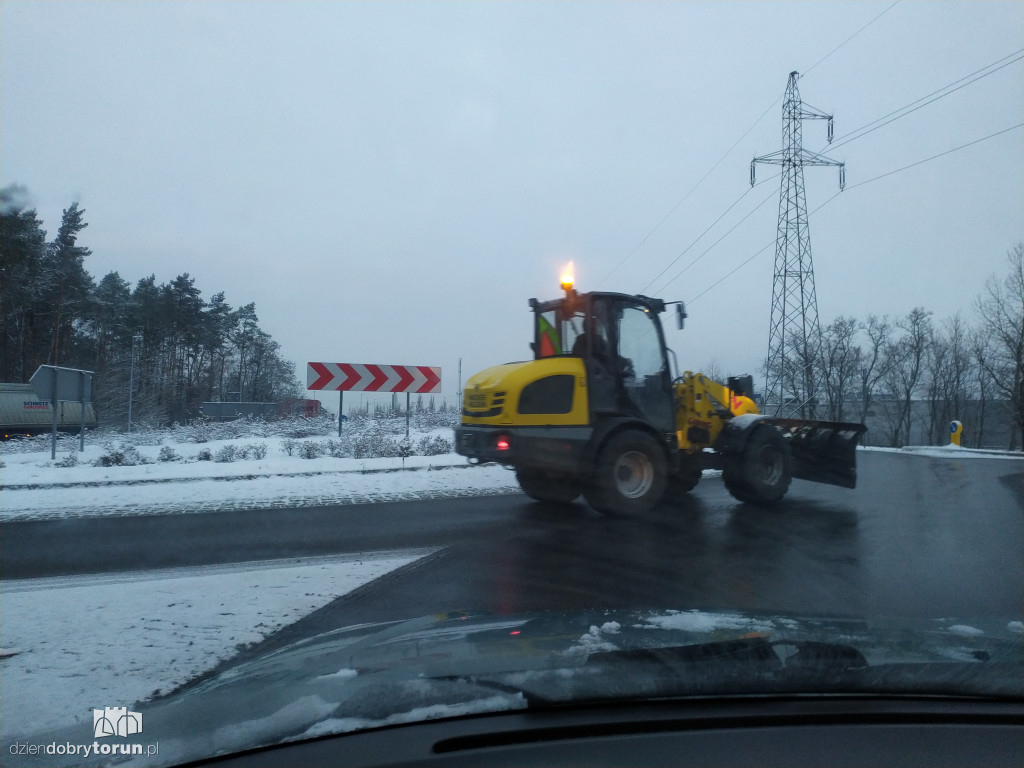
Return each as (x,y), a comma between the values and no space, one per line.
(350,377)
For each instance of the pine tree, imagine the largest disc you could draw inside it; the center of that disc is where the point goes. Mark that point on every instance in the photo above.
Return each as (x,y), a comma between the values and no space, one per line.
(67,284)
(23,244)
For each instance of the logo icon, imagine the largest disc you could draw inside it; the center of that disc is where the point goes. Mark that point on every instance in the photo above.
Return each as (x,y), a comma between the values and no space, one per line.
(115,721)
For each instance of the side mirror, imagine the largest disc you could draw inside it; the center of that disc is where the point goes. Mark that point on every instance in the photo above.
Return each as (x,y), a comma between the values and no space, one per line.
(680,315)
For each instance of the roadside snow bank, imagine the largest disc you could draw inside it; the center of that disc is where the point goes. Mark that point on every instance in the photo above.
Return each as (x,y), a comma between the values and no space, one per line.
(949,452)
(76,643)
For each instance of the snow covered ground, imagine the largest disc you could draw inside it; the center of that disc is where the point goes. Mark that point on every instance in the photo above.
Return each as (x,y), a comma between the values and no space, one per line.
(36,488)
(69,645)
(74,644)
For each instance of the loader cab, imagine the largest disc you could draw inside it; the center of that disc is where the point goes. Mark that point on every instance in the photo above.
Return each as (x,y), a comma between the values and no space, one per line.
(620,340)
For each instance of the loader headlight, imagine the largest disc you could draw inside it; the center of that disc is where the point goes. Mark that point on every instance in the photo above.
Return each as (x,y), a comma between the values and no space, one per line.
(503,442)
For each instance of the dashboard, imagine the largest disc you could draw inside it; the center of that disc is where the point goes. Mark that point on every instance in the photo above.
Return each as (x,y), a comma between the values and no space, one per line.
(834,731)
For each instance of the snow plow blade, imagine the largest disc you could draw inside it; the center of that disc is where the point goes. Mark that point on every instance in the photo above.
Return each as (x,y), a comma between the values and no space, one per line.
(823,451)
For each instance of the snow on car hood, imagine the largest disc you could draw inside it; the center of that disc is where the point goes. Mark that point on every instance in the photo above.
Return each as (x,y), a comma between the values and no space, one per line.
(461,664)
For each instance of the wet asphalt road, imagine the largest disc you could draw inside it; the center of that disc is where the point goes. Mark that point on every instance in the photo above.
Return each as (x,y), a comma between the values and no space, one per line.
(919,537)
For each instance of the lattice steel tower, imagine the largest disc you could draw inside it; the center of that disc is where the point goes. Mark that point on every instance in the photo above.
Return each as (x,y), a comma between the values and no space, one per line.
(794,338)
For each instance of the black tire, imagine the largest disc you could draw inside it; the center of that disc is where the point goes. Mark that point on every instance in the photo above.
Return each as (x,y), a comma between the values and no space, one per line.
(630,475)
(682,482)
(762,473)
(541,486)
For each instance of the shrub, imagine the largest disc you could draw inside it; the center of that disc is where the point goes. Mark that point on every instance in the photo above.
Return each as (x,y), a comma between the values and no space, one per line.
(204,455)
(167,454)
(123,456)
(373,445)
(302,427)
(338,449)
(310,450)
(433,445)
(226,454)
(256,450)
(289,446)
(71,460)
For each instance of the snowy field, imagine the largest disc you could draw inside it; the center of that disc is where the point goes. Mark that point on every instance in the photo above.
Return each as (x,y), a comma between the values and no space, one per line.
(73,644)
(167,476)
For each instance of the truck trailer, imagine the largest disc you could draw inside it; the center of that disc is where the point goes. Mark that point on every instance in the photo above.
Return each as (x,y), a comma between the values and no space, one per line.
(23,413)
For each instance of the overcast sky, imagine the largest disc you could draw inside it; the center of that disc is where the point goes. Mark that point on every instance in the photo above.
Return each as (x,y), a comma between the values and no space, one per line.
(391,182)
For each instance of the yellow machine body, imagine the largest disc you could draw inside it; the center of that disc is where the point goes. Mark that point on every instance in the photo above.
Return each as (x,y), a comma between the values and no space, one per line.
(551,391)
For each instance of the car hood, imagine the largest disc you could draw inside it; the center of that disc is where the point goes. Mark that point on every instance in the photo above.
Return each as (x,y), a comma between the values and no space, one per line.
(461,664)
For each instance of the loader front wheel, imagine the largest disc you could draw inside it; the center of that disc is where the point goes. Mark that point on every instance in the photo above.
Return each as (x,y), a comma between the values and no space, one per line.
(629,476)
(762,473)
(544,487)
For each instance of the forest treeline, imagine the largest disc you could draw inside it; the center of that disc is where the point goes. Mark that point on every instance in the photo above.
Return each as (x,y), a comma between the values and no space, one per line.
(173,347)
(905,376)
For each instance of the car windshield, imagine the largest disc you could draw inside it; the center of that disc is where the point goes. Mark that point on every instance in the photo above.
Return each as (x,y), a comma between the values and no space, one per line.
(308,429)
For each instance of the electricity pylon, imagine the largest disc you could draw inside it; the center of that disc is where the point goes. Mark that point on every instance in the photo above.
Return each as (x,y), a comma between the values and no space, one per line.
(791,388)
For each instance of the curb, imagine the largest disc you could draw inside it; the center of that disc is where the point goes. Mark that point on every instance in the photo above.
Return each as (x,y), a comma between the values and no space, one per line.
(226,478)
(954,452)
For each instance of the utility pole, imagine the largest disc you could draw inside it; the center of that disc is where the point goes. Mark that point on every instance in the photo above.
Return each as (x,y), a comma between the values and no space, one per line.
(458,393)
(794,337)
(136,341)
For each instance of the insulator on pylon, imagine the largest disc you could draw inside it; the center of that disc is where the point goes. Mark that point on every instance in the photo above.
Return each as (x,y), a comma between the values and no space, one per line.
(830,130)
(842,176)
(752,164)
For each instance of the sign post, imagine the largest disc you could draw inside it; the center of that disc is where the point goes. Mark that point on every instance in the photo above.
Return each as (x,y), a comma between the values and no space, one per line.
(56,384)
(354,377)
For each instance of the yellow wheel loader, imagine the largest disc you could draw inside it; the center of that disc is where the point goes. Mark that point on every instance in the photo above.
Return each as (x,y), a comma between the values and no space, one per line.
(597,412)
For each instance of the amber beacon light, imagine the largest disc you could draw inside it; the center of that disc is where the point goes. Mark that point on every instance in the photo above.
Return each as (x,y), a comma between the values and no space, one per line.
(568,278)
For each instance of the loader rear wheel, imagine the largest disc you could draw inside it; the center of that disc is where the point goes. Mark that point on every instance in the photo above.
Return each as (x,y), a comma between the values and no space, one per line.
(762,473)
(544,487)
(630,475)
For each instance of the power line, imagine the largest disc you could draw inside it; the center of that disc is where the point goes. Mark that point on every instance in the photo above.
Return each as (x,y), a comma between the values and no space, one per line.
(946,90)
(854,186)
(700,181)
(701,235)
(934,157)
(724,235)
(734,271)
(819,61)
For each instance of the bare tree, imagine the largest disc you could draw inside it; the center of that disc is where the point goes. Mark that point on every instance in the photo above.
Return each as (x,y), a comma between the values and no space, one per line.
(1000,310)
(872,367)
(713,371)
(840,361)
(949,366)
(905,365)
(980,345)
